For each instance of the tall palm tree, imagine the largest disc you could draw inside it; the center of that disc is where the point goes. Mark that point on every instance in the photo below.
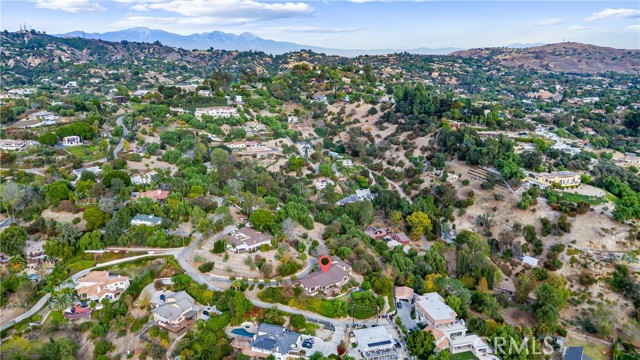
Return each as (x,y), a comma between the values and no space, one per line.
(61,300)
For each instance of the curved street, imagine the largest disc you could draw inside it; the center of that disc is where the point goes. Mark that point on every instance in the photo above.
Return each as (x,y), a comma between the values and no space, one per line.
(125,131)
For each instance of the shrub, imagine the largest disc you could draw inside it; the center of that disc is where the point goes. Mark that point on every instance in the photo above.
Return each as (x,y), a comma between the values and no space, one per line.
(206,267)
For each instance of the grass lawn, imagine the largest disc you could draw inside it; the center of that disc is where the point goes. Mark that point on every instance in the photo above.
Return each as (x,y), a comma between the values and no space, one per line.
(85,152)
(592,349)
(467,355)
(593,200)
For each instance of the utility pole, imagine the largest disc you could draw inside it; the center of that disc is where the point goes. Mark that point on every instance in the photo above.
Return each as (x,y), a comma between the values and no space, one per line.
(377,314)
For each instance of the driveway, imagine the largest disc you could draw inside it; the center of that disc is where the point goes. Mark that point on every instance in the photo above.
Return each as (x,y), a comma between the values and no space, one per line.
(405,315)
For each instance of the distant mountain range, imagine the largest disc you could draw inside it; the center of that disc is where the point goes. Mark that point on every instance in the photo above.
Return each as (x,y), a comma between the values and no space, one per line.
(243,42)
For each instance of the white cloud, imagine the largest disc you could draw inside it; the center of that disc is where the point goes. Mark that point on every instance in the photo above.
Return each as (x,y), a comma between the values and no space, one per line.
(633,28)
(312,29)
(552,21)
(614,14)
(243,10)
(578,27)
(72,6)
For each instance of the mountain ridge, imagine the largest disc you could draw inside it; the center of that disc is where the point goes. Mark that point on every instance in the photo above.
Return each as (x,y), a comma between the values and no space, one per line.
(246,41)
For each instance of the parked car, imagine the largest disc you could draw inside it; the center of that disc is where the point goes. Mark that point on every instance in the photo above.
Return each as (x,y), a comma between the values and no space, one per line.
(399,305)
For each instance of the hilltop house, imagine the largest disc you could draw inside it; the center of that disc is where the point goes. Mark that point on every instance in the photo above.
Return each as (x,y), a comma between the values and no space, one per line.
(146,220)
(449,332)
(177,312)
(404,293)
(71,140)
(245,239)
(561,178)
(375,343)
(274,340)
(14,145)
(334,278)
(98,285)
(322,183)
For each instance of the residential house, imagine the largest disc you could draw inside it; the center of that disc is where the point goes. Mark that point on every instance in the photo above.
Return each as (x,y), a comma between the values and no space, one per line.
(243,145)
(328,281)
(155,195)
(360,195)
(245,239)
(403,293)
(98,285)
(143,179)
(146,220)
(561,178)
(46,117)
(254,126)
(222,111)
(375,343)
(376,233)
(274,340)
(71,140)
(13,145)
(322,183)
(206,93)
(177,312)
(292,119)
(401,237)
(140,93)
(531,261)
(449,332)
(348,163)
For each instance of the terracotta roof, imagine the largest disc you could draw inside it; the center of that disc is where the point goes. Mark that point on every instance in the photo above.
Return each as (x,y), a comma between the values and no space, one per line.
(153,194)
(95,282)
(404,292)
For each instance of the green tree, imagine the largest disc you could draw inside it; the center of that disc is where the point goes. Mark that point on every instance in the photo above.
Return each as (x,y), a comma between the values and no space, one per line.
(12,240)
(325,169)
(261,219)
(95,218)
(48,139)
(421,344)
(298,321)
(57,191)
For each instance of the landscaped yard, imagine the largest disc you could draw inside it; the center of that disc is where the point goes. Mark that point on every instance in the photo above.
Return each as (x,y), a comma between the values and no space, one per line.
(467,355)
(86,152)
(573,197)
(592,349)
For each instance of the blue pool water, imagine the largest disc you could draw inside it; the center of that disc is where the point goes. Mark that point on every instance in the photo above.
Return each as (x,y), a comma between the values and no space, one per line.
(242,332)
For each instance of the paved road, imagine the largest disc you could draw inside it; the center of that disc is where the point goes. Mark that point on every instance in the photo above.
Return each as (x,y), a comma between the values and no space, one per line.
(125,131)
(34,309)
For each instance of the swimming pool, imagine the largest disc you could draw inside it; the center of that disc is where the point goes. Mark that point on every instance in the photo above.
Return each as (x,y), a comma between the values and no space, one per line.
(242,332)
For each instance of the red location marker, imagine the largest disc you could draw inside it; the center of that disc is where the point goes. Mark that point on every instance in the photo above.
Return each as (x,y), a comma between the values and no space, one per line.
(325,262)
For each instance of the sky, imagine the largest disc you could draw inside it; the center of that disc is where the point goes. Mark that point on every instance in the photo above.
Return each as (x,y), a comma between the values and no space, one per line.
(348,24)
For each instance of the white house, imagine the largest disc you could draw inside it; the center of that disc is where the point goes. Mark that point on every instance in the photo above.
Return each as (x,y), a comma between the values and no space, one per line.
(292,119)
(13,145)
(71,140)
(375,343)
(146,220)
(222,111)
(143,179)
(206,93)
(244,240)
(449,332)
(322,183)
(531,261)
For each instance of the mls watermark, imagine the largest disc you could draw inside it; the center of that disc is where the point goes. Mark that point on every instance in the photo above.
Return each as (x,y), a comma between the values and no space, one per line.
(509,345)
